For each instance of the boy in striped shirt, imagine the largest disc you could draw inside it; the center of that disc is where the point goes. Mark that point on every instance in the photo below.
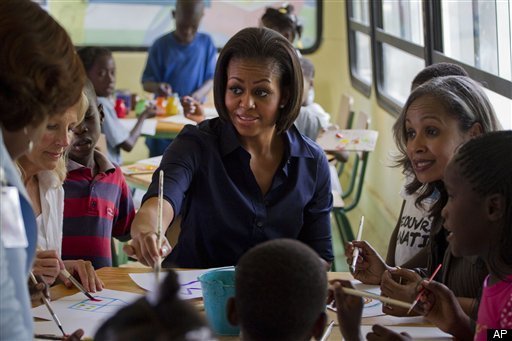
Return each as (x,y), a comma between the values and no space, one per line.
(98,203)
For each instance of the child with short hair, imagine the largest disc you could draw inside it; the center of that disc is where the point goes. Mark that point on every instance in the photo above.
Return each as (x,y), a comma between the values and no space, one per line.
(98,203)
(101,70)
(168,318)
(284,21)
(312,117)
(280,292)
(182,62)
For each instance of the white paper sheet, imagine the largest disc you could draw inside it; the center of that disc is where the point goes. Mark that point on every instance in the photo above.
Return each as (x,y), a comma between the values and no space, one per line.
(179,119)
(417,333)
(76,311)
(190,286)
(148,126)
(371,307)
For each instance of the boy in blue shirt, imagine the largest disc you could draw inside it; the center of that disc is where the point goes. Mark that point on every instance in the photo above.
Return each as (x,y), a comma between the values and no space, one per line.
(182,61)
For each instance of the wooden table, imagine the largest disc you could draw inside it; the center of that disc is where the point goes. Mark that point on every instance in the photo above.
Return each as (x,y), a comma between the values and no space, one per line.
(118,279)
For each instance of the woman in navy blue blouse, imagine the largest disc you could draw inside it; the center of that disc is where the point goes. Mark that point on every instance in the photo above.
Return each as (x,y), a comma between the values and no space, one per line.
(247,176)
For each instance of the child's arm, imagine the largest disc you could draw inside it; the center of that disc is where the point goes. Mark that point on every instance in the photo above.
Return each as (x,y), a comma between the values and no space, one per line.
(348,309)
(203,90)
(129,143)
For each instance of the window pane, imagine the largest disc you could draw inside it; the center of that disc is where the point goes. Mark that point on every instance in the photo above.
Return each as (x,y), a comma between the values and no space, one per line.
(360,12)
(478,34)
(399,69)
(99,22)
(363,62)
(502,107)
(403,19)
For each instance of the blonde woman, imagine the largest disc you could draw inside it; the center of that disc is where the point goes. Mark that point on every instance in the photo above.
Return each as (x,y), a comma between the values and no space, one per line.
(43,171)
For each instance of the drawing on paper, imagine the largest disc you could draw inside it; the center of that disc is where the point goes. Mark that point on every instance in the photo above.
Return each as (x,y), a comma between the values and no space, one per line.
(107,305)
(188,289)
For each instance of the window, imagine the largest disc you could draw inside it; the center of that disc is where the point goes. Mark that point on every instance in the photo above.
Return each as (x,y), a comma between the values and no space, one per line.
(360,45)
(408,35)
(135,24)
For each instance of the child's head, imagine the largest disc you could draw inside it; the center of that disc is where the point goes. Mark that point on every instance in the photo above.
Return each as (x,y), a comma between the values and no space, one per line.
(100,68)
(283,21)
(437,70)
(87,133)
(281,288)
(169,319)
(478,213)
(308,72)
(188,15)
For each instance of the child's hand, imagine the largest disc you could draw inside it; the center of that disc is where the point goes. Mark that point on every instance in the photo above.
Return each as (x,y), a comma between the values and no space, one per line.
(47,265)
(382,333)
(370,266)
(149,112)
(441,307)
(164,89)
(349,309)
(400,284)
(192,109)
(88,277)
(76,336)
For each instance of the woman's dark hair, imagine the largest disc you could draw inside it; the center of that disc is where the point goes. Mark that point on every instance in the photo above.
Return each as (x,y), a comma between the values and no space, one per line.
(271,48)
(90,54)
(283,21)
(463,99)
(169,319)
(484,163)
(40,73)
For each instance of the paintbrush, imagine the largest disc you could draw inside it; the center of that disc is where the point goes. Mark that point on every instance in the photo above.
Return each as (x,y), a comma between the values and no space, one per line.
(77,284)
(423,289)
(47,304)
(158,265)
(355,254)
(327,331)
(362,293)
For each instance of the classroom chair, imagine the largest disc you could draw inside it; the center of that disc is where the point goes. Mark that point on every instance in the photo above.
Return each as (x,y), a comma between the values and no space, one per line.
(356,182)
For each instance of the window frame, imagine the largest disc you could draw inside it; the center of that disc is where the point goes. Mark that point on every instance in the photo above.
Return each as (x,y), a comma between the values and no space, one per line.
(431,52)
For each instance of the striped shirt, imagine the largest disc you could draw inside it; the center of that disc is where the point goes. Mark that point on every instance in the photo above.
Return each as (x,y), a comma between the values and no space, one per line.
(96,208)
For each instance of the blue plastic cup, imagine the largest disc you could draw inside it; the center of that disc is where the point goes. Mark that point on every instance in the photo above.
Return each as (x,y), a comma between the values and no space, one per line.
(218,286)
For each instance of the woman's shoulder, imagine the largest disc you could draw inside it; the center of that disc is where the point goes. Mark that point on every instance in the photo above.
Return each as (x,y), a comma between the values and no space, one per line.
(303,145)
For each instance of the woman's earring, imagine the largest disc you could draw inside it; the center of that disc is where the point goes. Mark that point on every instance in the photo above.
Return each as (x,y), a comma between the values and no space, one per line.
(30,143)
(281,106)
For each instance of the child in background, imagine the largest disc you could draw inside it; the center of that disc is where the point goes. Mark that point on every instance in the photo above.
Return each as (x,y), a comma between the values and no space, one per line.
(312,117)
(182,62)
(98,204)
(437,118)
(283,20)
(101,70)
(281,292)
(169,318)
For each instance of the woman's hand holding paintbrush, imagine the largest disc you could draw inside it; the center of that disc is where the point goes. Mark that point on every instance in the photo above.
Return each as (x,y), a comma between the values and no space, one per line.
(401,284)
